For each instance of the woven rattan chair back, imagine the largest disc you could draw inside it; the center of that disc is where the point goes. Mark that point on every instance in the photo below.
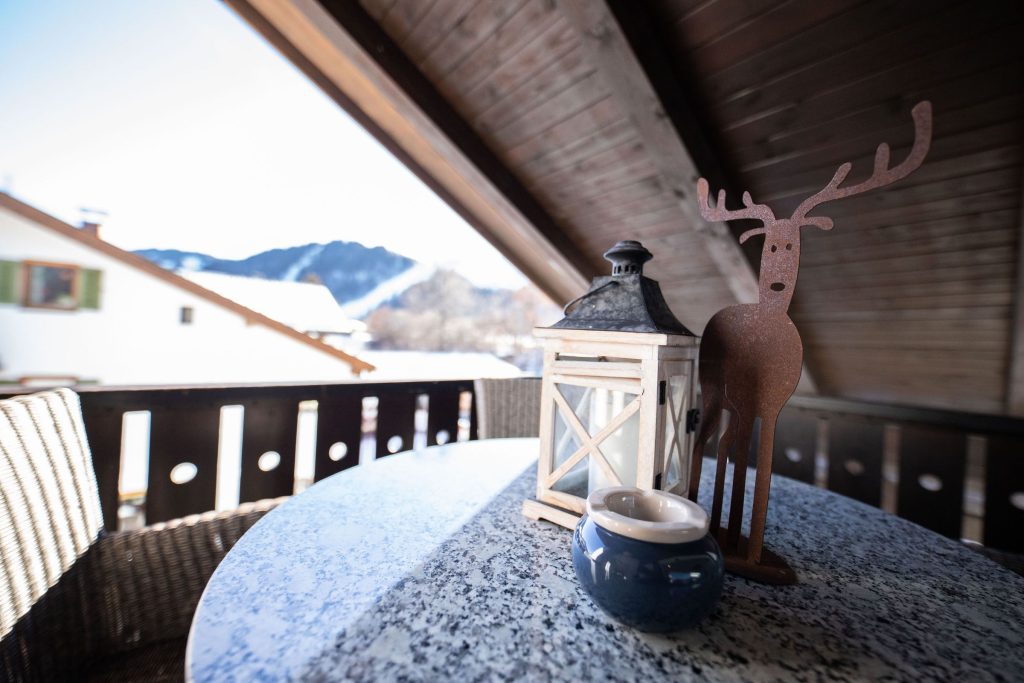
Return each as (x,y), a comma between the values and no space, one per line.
(49,504)
(507,408)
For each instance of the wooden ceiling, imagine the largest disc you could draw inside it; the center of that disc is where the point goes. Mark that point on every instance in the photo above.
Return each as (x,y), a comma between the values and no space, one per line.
(592,119)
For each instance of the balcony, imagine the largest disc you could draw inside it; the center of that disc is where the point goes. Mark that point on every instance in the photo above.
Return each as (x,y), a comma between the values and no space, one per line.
(211,447)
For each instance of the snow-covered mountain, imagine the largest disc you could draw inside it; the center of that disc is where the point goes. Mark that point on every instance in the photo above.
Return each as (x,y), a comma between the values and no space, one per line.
(348,269)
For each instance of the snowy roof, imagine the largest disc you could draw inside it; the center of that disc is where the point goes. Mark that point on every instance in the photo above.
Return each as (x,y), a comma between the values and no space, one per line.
(304,306)
(420,365)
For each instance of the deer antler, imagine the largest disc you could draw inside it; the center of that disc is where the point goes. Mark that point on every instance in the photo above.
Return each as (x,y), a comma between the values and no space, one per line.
(718,212)
(882,174)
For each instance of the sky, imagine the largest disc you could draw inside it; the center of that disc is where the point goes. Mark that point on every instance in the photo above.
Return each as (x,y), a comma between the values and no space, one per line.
(191,132)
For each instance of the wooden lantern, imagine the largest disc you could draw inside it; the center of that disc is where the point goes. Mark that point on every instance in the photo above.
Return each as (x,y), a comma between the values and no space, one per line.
(617,394)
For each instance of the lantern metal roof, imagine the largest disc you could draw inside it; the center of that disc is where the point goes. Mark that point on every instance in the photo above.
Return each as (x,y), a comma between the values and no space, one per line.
(624,301)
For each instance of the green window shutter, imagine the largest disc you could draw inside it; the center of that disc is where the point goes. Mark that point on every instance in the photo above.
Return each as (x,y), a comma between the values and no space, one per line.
(89,294)
(9,275)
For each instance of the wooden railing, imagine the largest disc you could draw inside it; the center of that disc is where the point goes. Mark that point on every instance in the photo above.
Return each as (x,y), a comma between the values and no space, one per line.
(960,474)
(185,429)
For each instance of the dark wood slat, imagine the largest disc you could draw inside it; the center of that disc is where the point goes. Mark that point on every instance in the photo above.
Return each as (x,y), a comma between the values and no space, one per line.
(806,183)
(269,424)
(881,386)
(976,132)
(585,152)
(892,373)
(958,176)
(554,43)
(1004,477)
(711,20)
(855,459)
(645,202)
(403,16)
(474,420)
(339,420)
(507,41)
(956,237)
(574,99)
(475,29)
(930,456)
(1001,296)
(957,133)
(905,197)
(854,282)
(621,192)
(796,439)
(443,414)
(762,31)
(1015,374)
(913,290)
(185,431)
(908,338)
(441,20)
(103,426)
(963,314)
(549,80)
(377,8)
(802,50)
(869,74)
(574,130)
(571,186)
(396,417)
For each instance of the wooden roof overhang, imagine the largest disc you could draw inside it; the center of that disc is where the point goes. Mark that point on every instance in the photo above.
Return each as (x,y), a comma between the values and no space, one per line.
(556,127)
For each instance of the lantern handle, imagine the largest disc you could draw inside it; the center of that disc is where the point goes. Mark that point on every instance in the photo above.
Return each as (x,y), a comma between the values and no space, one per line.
(565,309)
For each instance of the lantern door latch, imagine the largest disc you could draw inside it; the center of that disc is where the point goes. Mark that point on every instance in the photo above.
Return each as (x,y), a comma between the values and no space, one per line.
(692,419)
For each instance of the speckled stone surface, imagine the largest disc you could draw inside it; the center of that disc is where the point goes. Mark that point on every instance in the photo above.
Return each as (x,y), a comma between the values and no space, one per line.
(375,575)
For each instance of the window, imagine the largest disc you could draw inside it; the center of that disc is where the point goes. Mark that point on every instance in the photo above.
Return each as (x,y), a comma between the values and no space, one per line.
(56,286)
(186,315)
(51,285)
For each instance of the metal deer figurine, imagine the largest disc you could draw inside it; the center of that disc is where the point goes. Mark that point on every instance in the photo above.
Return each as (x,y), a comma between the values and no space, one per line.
(751,355)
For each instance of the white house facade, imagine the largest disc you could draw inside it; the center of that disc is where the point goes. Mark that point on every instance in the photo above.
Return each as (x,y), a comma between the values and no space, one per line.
(75,308)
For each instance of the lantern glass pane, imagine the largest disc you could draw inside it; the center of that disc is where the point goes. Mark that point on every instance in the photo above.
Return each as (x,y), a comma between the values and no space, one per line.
(620,447)
(566,442)
(676,454)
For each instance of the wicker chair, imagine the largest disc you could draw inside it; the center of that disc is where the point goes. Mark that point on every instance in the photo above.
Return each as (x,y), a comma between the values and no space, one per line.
(507,408)
(77,602)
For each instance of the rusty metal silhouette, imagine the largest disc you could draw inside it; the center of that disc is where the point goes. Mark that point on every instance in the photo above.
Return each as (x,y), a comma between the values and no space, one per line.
(751,355)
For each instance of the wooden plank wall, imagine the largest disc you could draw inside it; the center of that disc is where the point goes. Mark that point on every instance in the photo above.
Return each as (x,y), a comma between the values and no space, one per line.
(517,72)
(910,298)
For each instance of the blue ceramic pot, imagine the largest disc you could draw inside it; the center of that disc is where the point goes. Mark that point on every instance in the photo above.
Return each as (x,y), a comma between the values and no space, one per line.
(646,559)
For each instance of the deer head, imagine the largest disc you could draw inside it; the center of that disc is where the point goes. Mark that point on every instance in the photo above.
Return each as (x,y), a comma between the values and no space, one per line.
(780,256)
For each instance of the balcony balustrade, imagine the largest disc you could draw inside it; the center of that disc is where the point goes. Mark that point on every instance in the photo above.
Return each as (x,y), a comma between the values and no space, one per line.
(959,474)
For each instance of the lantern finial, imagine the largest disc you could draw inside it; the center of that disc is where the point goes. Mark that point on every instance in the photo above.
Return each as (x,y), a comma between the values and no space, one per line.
(628,258)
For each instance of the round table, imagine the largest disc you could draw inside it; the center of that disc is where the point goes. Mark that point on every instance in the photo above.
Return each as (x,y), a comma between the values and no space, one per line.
(420,566)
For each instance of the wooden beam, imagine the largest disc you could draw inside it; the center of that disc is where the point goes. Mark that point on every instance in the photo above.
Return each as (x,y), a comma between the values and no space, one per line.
(1015,376)
(610,52)
(341,48)
(655,111)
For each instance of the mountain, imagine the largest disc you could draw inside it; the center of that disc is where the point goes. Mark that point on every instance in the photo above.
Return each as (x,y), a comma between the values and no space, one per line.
(348,269)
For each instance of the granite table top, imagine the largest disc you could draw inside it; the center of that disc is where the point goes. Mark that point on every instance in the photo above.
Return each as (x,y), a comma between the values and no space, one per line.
(421,567)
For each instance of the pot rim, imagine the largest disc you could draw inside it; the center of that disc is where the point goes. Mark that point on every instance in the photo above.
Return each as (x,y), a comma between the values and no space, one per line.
(663,517)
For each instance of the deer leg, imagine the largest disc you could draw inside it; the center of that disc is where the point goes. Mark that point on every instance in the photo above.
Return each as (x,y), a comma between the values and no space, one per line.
(762,484)
(708,427)
(739,481)
(724,445)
